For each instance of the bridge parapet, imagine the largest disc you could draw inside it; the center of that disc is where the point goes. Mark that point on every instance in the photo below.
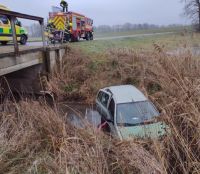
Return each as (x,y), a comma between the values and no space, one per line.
(12,17)
(24,71)
(22,68)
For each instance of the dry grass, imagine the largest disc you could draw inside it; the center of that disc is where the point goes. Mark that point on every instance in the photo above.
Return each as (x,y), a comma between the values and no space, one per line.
(37,139)
(171,81)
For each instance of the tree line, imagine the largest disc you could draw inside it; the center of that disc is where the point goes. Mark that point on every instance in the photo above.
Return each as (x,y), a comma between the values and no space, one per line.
(192,10)
(130,27)
(34,30)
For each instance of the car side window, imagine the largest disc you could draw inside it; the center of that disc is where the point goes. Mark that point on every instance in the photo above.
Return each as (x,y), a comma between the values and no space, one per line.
(103,98)
(99,96)
(111,108)
(4,19)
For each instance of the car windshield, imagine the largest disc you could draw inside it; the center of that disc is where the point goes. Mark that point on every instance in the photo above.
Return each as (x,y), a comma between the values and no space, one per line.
(135,113)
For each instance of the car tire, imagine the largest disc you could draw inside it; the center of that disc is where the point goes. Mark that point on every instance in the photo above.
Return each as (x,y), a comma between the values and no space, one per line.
(23,40)
(4,42)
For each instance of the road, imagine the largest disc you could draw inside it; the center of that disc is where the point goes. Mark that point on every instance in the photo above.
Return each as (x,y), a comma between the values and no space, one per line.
(113,37)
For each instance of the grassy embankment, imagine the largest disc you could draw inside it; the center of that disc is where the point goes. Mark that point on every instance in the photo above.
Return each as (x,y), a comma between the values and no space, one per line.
(142,31)
(168,42)
(37,139)
(94,63)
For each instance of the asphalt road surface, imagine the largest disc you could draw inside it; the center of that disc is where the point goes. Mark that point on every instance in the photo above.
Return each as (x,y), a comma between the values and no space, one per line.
(34,44)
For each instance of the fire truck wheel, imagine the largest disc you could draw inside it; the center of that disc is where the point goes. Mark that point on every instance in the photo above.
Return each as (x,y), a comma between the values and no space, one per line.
(52,41)
(78,38)
(91,36)
(87,37)
(71,38)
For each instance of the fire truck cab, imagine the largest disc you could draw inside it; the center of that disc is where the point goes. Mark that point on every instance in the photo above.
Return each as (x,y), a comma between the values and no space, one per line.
(79,26)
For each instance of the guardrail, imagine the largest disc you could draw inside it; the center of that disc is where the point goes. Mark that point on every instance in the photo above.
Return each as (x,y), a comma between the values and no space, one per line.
(12,17)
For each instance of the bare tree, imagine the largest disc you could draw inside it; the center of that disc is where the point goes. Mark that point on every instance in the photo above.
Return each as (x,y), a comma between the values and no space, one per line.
(192,10)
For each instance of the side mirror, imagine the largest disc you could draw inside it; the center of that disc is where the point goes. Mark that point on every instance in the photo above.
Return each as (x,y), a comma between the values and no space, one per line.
(18,23)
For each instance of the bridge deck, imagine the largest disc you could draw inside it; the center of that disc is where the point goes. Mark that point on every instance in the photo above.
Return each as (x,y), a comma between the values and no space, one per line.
(9,50)
(29,55)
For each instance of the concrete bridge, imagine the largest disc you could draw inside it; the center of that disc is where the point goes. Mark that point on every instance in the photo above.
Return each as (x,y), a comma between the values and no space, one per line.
(24,71)
(24,66)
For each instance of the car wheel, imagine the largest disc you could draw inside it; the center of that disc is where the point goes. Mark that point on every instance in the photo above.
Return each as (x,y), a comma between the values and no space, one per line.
(4,42)
(23,40)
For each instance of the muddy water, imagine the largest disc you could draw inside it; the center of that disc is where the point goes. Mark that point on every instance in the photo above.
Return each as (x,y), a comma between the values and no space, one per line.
(80,114)
(194,50)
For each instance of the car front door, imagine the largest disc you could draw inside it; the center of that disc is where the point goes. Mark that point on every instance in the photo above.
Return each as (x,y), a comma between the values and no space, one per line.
(102,104)
(18,29)
(5,30)
(112,110)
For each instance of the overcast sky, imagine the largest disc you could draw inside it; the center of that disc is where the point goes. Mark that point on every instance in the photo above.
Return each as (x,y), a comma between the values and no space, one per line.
(111,12)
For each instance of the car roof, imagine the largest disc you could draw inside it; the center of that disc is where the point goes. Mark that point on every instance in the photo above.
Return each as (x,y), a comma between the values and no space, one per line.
(126,94)
(3,7)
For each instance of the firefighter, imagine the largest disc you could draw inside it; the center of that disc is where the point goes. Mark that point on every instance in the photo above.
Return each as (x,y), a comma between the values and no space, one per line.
(49,30)
(67,31)
(51,25)
(64,5)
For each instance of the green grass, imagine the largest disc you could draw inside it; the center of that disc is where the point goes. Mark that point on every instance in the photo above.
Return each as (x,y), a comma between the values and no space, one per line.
(141,31)
(35,39)
(126,33)
(101,46)
(166,41)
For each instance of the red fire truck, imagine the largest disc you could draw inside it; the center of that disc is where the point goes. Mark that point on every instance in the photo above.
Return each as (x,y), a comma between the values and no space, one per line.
(79,26)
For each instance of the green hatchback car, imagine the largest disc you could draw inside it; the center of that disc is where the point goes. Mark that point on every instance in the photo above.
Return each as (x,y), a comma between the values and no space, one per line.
(128,113)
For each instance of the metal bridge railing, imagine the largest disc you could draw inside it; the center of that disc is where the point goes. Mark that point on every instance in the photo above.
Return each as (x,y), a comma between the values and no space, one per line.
(12,17)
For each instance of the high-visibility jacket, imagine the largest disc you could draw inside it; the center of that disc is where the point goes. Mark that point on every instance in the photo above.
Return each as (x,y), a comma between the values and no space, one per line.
(63,4)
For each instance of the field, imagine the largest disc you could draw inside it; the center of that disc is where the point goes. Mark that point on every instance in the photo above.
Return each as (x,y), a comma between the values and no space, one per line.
(142,31)
(171,41)
(98,35)
(36,138)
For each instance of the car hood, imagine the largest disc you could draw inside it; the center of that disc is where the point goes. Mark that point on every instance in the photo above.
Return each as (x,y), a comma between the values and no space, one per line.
(153,130)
